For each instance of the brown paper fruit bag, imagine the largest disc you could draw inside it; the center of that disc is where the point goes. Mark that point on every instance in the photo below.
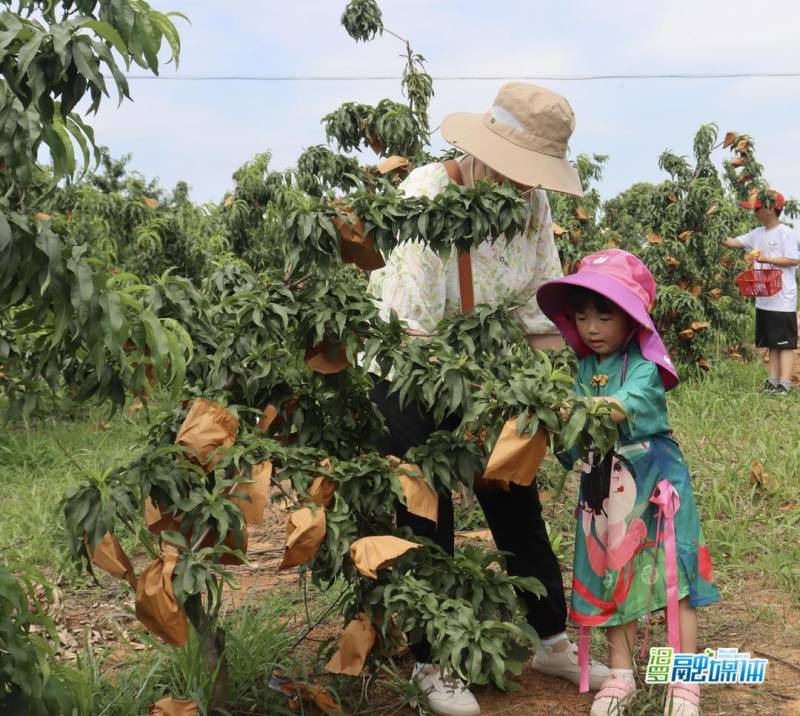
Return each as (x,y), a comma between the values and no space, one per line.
(354,647)
(362,252)
(156,606)
(516,458)
(305,531)
(151,512)
(268,417)
(251,497)
(421,498)
(109,556)
(321,490)
(394,163)
(206,428)
(327,358)
(369,554)
(168,522)
(171,707)
(355,247)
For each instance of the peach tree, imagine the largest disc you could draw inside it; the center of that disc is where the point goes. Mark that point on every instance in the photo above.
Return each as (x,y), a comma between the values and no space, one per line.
(277,394)
(58,313)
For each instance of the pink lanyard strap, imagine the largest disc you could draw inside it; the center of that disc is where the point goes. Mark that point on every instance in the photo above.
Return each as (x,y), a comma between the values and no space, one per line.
(624,372)
(584,637)
(666,497)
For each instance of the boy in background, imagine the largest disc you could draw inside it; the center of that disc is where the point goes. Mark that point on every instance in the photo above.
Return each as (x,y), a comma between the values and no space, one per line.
(776,315)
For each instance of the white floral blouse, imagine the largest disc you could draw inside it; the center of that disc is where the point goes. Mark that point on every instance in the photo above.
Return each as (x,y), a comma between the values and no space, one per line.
(422,289)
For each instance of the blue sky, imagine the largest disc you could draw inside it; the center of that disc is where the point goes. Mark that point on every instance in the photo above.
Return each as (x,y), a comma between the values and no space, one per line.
(201,132)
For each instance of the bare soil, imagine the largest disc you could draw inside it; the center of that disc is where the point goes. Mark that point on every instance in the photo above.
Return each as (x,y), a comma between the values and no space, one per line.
(751,617)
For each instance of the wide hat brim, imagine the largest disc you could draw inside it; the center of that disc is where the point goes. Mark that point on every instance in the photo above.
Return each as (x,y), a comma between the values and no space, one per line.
(553,299)
(467,131)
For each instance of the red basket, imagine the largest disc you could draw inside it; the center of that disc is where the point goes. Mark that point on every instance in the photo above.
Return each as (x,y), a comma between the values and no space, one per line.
(759,282)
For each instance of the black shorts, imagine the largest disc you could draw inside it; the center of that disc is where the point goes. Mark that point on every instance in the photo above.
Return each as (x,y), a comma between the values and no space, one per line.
(776,329)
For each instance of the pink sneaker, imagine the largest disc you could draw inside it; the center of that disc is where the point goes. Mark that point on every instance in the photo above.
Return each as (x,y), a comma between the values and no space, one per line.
(682,700)
(613,696)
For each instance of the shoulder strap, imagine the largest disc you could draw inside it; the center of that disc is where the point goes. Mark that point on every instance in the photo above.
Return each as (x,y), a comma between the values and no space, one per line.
(465,282)
(465,285)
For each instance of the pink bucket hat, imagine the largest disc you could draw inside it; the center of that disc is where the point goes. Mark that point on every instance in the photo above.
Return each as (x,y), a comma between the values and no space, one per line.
(624,280)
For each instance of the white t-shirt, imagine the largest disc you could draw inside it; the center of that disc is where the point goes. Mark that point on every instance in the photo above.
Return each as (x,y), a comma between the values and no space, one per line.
(773,243)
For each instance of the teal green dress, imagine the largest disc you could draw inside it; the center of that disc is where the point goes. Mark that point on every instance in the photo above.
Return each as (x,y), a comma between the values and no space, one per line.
(619,570)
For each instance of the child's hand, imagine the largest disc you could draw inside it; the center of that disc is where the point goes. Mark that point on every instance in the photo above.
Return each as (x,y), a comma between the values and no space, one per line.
(617,408)
(565,411)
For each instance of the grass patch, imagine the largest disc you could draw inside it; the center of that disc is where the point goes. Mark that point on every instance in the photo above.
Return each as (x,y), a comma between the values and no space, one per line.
(257,640)
(723,426)
(40,462)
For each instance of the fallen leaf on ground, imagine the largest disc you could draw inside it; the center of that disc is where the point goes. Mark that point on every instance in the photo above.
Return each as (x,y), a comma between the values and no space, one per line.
(759,476)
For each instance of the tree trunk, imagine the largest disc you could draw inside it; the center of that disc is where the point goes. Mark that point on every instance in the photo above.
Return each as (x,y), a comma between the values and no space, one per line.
(217,661)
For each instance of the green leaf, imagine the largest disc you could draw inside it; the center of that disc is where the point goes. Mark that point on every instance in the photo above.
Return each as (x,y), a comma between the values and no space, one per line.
(86,63)
(5,233)
(109,34)
(156,338)
(27,53)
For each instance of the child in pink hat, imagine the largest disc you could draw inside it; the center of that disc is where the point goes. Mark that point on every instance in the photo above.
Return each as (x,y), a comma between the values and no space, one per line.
(639,546)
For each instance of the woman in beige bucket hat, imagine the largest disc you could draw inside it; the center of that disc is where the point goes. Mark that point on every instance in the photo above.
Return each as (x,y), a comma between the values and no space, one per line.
(522,138)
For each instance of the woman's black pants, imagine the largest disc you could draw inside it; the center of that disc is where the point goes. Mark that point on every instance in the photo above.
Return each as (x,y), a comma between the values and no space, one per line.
(514,517)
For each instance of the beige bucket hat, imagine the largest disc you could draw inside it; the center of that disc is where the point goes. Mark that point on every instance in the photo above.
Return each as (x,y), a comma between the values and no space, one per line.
(523,136)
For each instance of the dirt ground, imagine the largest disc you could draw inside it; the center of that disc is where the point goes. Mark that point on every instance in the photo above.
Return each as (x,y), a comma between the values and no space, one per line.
(753,618)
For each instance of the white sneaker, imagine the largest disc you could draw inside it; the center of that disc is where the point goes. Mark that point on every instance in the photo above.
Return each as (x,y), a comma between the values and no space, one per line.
(447,696)
(565,665)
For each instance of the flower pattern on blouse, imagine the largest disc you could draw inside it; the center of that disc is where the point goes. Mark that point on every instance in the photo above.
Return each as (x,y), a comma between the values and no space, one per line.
(423,289)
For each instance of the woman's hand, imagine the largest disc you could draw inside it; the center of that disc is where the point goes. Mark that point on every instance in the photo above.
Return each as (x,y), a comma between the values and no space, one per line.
(416,333)
(543,341)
